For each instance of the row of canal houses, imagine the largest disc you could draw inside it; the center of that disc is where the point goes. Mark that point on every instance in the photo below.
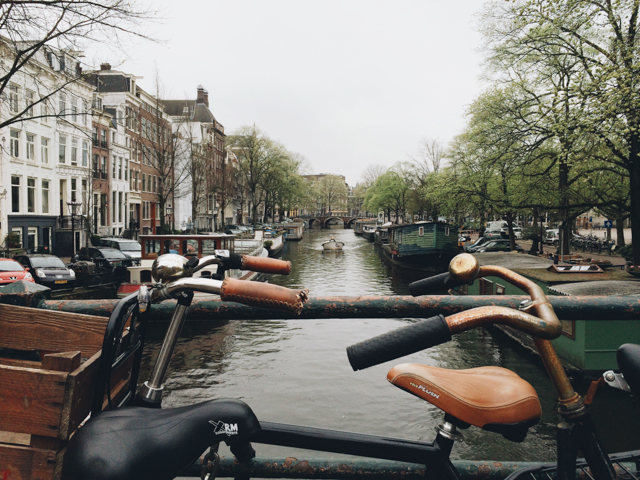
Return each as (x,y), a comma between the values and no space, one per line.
(82,155)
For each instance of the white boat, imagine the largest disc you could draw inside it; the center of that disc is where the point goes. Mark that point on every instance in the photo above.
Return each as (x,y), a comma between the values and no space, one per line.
(332,245)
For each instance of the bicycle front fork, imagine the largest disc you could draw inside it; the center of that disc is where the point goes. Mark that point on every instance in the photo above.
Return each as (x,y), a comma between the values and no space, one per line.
(580,433)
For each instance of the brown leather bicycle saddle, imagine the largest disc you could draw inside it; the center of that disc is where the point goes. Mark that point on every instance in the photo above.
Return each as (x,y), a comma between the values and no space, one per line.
(483,396)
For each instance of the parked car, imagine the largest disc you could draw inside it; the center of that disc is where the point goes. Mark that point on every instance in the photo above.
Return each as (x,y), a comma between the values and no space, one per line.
(499,246)
(48,270)
(475,245)
(111,255)
(131,248)
(552,237)
(12,271)
(232,230)
(493,234)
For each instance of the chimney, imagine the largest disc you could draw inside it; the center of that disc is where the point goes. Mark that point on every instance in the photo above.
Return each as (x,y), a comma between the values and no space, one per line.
(203,96)
(105,66)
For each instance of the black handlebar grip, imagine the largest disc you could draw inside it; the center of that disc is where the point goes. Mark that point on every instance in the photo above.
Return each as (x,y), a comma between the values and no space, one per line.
(234,262)
(443,281)
(398,343)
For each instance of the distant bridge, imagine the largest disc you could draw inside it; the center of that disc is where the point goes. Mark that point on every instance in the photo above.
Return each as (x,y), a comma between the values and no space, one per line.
(327,220)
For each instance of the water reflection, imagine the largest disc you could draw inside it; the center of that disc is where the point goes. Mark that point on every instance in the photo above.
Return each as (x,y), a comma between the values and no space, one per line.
(297,371)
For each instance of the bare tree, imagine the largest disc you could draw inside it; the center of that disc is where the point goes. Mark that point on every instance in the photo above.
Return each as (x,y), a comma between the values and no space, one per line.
(371,173)
(257,155)
(430,157)
(54,31)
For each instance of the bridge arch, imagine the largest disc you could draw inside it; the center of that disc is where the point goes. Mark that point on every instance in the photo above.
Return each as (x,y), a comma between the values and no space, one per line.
(314,220)
(350,223)
(333,221)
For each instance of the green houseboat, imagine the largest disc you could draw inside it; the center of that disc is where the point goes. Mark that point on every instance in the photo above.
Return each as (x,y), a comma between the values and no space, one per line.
(584,346)
(427,246)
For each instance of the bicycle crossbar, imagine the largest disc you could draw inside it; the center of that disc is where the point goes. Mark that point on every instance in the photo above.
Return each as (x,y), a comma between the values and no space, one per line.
(567,307)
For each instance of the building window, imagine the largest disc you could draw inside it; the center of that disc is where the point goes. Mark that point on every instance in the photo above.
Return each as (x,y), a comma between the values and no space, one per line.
(45,196)
(85,197)
(157,211)
(105,171)
(144,182)
(13,98)
(44,111)
(74,190)
(30,98)
(85,113)
(155,185)
(74,109)
(120,207)
(113,137)
(62,104)
(95,134)
(145,210)
(15,143)
(114,166)
(44,150)
(120,168)
(85,154)
(74,151)
(113,206)
(15,194)
(31,195)
(126,171)
(103,209)
(31,147)
(103,138)
(62,150)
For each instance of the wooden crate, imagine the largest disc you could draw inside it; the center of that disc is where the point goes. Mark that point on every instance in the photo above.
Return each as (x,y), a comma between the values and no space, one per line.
(42,403)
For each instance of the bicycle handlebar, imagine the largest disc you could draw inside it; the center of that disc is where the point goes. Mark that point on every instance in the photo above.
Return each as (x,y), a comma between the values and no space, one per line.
(443,281)
(261,264)
(255,294)
(436,330)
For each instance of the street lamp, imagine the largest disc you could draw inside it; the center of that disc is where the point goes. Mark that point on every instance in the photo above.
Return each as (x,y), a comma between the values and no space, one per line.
(73,205)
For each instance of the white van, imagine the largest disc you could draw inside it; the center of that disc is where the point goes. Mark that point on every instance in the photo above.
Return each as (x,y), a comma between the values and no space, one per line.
(497,226)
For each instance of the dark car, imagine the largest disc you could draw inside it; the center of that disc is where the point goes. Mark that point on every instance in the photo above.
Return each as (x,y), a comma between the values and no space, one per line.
(477,244)
(103,256)
(48,270)
(498,246)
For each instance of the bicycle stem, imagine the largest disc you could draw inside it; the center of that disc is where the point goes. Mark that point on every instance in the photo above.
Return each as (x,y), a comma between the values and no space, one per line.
(571,404)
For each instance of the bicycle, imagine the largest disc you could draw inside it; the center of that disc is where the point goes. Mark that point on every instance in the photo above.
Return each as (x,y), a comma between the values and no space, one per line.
(172,439)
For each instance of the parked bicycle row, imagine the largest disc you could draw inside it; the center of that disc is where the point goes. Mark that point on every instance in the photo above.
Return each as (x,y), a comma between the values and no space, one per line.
(592,244)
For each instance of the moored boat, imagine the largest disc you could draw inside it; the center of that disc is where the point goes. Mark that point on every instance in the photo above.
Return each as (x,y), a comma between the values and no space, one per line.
(426,246)
(189,245)
(369,232)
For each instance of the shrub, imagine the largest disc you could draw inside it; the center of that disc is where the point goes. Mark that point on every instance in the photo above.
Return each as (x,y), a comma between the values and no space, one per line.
(626,252)
(267,244)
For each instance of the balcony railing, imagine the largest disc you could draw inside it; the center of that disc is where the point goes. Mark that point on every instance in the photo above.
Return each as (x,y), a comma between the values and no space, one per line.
(64,222)
(100,174)
(103,144)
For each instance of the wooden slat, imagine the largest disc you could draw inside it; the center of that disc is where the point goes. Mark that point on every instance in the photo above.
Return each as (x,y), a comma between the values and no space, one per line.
(31,400)
(20,363)
(15,438)
(23,328)
(79,395)
(26,463)
(61,362)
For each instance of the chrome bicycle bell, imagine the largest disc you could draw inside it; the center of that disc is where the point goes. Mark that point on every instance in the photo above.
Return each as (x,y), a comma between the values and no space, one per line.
(170,266)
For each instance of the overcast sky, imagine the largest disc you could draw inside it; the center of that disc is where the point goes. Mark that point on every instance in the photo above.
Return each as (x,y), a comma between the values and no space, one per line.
(346,83)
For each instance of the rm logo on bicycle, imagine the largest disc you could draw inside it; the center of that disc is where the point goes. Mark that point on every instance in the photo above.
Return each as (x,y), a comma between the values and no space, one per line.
(222,428)
(420,387)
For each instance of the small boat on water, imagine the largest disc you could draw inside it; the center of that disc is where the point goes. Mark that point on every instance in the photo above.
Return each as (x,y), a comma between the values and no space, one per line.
(369,231)
(332,245)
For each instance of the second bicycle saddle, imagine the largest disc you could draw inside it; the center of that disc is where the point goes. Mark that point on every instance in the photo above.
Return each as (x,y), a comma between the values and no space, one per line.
(135,443)
(492,398)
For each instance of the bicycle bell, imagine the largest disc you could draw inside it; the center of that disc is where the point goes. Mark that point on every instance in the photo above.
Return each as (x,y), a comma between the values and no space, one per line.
(464,267)
(171,266)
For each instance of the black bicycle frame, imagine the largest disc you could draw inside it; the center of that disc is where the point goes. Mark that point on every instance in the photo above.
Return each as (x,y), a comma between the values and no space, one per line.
(435,456)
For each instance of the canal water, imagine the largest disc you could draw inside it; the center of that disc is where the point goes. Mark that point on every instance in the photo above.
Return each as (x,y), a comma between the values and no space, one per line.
(297,372)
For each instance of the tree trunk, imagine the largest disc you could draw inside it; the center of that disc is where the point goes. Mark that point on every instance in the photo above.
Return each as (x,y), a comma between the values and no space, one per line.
(634,192)
(620,231)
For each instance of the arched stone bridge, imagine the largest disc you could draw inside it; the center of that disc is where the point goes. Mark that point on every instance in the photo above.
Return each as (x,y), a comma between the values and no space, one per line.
(327,220)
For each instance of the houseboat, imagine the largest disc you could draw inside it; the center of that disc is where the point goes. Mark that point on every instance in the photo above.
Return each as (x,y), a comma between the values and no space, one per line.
(189,245)
(585,347)
(382,234)
(359,225)
(294,231)
(369,232)
(426,246)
